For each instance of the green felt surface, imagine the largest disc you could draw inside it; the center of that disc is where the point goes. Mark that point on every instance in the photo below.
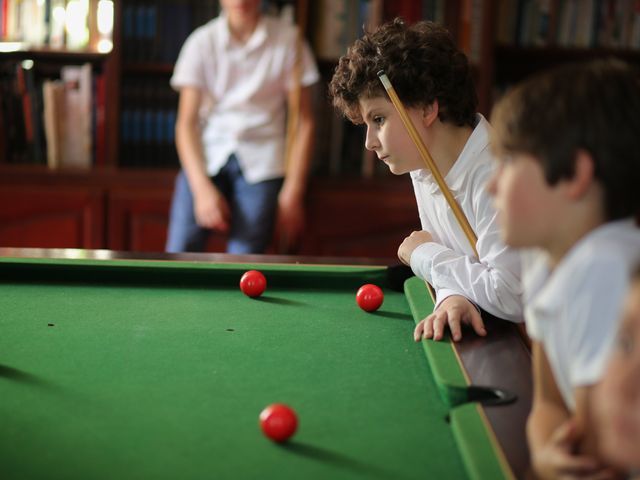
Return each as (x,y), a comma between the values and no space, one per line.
(126,370)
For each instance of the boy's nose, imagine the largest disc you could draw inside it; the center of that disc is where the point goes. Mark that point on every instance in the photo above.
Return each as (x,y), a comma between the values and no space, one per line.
(370,141)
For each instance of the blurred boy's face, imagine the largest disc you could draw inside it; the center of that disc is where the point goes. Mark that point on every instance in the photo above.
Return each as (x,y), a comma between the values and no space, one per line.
(617,396)
(387,136)
(241,10)
(524,202)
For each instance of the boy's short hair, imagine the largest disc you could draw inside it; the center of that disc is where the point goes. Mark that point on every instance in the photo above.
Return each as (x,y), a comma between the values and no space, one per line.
(592,106)
(422,63)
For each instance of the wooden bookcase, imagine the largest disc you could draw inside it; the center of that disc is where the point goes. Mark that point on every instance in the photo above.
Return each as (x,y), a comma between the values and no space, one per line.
(352,210)
(122,206)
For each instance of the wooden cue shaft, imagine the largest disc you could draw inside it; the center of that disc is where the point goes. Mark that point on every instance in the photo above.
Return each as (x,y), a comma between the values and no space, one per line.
(294,95)
(426,157)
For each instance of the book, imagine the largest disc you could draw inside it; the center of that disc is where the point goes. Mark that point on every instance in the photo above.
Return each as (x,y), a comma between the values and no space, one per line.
(409,10)
(77,141)
(53,95)
(331,29)
(99,120)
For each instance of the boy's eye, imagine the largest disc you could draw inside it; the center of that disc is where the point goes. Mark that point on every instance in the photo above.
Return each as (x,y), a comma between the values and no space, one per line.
(378,120)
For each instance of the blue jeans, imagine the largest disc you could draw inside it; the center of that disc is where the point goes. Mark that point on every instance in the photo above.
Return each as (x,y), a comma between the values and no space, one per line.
(253,211)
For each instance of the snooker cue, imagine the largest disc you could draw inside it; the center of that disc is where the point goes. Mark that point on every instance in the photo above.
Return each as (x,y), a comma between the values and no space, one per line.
(428,160)
(293,104)
(293,110)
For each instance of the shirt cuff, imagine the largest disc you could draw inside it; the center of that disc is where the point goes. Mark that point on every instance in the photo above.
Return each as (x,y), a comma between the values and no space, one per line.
(421,260)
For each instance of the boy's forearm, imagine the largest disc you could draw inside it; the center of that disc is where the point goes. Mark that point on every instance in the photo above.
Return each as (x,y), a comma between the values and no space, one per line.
(191,155)
(543,420)
(548,411)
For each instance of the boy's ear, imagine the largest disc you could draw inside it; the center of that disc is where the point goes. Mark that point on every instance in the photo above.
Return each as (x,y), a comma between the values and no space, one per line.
(583,175)
(430,113)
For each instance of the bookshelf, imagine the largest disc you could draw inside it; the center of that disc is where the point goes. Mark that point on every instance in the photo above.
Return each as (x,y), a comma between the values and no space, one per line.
(120,198)
(530,36)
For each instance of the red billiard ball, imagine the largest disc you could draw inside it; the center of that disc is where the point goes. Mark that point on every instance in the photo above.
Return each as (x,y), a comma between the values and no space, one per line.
(369,297)
(278,422)
(253,283)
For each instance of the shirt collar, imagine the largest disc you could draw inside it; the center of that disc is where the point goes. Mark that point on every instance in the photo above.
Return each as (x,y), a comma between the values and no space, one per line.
(477,142)
(257,38)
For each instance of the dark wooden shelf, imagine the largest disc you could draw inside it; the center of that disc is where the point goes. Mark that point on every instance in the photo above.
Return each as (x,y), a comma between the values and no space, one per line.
(513,63)
(62,56)
(12,174)
(150,68)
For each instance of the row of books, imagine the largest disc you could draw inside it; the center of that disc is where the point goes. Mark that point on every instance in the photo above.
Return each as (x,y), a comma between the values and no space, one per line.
(147,124)
(569,23)
(70,24)
(57,122)
(155,32)
(338,23)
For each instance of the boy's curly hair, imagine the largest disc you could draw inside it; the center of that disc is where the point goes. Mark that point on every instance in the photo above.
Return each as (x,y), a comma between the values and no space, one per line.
(422,63)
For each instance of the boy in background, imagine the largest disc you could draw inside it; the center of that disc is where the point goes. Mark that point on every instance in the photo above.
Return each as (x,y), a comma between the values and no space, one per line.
(234,74)
(567,185)
(433,80)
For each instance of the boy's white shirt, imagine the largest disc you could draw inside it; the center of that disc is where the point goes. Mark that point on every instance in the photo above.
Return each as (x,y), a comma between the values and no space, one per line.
(245,88)
(574,311)
(448,263)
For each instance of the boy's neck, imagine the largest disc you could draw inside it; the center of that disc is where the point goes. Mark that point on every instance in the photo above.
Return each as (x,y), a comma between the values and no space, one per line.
(242,29)
(447,143)
(569,234)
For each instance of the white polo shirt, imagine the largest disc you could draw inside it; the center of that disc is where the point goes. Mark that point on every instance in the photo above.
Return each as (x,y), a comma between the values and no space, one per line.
(448,263)
(574,311)
(246,87)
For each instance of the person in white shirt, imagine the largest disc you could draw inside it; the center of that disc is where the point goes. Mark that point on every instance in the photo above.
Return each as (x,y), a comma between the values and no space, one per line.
(433,80)
(234,75)
(567,190)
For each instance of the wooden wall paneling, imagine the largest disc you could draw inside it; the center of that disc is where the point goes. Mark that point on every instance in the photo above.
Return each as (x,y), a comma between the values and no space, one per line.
(138,220)
(367,219)
(52,217)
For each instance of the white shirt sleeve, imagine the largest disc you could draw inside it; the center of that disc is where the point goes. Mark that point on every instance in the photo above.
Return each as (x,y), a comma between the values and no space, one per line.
(189,68)
(492,282)
(591,338)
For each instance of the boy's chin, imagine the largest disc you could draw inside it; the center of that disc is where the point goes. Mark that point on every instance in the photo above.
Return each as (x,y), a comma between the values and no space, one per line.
(396,171)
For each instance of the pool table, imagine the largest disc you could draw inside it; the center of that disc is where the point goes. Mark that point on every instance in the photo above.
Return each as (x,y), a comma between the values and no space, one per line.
(158,367)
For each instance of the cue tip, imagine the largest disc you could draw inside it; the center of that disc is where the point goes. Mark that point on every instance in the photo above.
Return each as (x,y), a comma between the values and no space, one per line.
(384,79)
